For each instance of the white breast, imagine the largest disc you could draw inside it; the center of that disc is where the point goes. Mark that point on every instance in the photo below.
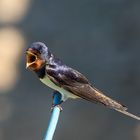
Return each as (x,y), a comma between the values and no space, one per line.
(65,94)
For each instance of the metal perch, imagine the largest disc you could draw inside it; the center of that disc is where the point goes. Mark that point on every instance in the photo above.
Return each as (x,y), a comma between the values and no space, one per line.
(54,116)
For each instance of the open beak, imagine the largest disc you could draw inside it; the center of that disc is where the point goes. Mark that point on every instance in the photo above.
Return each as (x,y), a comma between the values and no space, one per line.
(30,59)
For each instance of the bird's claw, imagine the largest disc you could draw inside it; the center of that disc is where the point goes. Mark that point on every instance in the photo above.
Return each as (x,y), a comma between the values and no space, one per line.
(53,106)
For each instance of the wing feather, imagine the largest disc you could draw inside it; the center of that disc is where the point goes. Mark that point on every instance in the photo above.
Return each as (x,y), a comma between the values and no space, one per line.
(78,84)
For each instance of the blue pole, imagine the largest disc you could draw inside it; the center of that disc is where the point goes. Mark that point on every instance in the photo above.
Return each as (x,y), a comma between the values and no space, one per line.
(54,117)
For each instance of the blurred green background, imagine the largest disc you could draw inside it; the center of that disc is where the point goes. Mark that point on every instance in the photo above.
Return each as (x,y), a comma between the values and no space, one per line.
(100,38)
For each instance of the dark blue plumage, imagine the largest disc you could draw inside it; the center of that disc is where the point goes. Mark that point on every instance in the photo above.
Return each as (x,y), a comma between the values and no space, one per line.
(69,82)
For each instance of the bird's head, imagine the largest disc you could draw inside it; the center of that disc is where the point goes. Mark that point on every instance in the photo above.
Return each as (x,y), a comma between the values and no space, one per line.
(37,56)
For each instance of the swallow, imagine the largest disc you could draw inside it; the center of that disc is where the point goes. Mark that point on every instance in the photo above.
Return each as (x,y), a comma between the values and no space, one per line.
(68,82)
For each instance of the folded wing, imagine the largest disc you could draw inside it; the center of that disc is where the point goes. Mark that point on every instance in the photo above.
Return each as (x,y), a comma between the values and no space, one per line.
(78,84)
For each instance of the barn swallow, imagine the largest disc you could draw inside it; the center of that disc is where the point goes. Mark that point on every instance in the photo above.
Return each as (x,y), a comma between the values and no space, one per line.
(67,81)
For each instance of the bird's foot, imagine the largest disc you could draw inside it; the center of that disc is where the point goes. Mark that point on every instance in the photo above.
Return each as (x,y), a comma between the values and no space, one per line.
(53,106)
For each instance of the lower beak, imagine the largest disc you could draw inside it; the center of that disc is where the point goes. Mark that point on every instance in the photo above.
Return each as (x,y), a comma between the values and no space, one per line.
(28,65)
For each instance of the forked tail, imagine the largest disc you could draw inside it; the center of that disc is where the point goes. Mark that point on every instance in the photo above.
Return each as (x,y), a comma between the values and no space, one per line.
(128,114)
(99,97)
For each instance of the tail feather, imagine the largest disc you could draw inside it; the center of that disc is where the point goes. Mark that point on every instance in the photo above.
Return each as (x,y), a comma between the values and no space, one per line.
(101,98)
(128,114)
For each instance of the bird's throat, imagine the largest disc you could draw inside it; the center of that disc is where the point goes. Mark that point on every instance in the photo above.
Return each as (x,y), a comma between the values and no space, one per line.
(41,72)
